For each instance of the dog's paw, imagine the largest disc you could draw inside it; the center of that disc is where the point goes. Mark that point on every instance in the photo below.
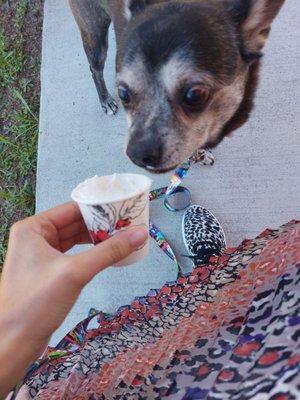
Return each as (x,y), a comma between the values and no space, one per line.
(203,157)
(109,106)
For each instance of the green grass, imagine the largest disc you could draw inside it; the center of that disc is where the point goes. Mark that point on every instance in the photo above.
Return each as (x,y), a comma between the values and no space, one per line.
(18,152)
(21,11)
(19,103)
(11,61)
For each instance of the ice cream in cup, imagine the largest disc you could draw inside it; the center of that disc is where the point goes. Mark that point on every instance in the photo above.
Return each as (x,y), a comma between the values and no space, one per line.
(112,203)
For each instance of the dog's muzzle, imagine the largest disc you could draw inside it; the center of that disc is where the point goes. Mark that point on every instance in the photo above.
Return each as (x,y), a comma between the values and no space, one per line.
(145,153)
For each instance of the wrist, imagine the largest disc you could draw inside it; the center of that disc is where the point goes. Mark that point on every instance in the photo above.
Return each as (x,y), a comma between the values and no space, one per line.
(18,333)
(17,352)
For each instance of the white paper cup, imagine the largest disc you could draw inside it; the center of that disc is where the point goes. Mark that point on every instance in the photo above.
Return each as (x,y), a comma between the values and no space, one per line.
(105,219)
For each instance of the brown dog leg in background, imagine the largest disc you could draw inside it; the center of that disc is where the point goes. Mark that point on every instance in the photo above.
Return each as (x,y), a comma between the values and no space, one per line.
(94,22)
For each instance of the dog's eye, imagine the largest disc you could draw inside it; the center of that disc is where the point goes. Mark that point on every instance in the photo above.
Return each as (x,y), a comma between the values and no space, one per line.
(196,97)
(124,95)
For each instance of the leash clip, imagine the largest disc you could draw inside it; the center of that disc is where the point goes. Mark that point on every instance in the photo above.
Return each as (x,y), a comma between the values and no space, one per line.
(186,201)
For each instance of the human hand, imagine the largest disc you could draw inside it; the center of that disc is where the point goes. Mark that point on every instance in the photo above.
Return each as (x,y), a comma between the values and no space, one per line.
(40,283)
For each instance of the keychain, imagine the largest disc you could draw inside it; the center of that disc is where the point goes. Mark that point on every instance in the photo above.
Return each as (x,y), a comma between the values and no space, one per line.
(167,192)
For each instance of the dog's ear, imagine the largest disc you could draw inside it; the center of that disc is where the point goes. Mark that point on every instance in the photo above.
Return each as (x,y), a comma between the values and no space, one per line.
(255,18)
(134,7)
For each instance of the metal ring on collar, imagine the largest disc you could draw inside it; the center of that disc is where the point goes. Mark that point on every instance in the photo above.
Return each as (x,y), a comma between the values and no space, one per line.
(179,189)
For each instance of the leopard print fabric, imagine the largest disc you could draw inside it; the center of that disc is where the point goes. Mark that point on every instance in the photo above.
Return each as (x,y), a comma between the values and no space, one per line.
(202,233)
(228,330)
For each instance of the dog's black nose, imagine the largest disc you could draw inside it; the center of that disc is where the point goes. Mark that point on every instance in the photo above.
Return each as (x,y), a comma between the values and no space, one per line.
(145,153)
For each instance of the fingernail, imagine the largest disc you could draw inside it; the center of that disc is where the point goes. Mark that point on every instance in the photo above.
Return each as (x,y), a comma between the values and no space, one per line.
(138,237)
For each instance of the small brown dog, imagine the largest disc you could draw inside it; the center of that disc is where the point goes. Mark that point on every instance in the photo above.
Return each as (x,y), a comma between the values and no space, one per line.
(187,71)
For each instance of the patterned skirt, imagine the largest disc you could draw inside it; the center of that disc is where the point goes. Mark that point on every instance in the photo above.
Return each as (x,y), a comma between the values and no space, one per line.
(227,330)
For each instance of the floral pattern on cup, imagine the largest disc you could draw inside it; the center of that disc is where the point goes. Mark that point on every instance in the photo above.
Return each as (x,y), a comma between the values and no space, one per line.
(107,219)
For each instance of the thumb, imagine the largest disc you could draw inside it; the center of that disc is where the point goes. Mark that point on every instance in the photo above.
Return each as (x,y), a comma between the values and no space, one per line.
(88,263)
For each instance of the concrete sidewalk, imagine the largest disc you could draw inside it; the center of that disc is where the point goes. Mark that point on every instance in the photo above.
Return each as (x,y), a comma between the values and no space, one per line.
(255,180)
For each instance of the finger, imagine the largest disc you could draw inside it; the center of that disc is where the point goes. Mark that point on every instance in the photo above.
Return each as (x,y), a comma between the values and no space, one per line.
(87,264)
(63,215)
(81,238)
(72,230)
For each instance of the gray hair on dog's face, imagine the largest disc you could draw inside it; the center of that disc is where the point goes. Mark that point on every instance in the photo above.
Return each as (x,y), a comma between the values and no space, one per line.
(177,52)
(156,117)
